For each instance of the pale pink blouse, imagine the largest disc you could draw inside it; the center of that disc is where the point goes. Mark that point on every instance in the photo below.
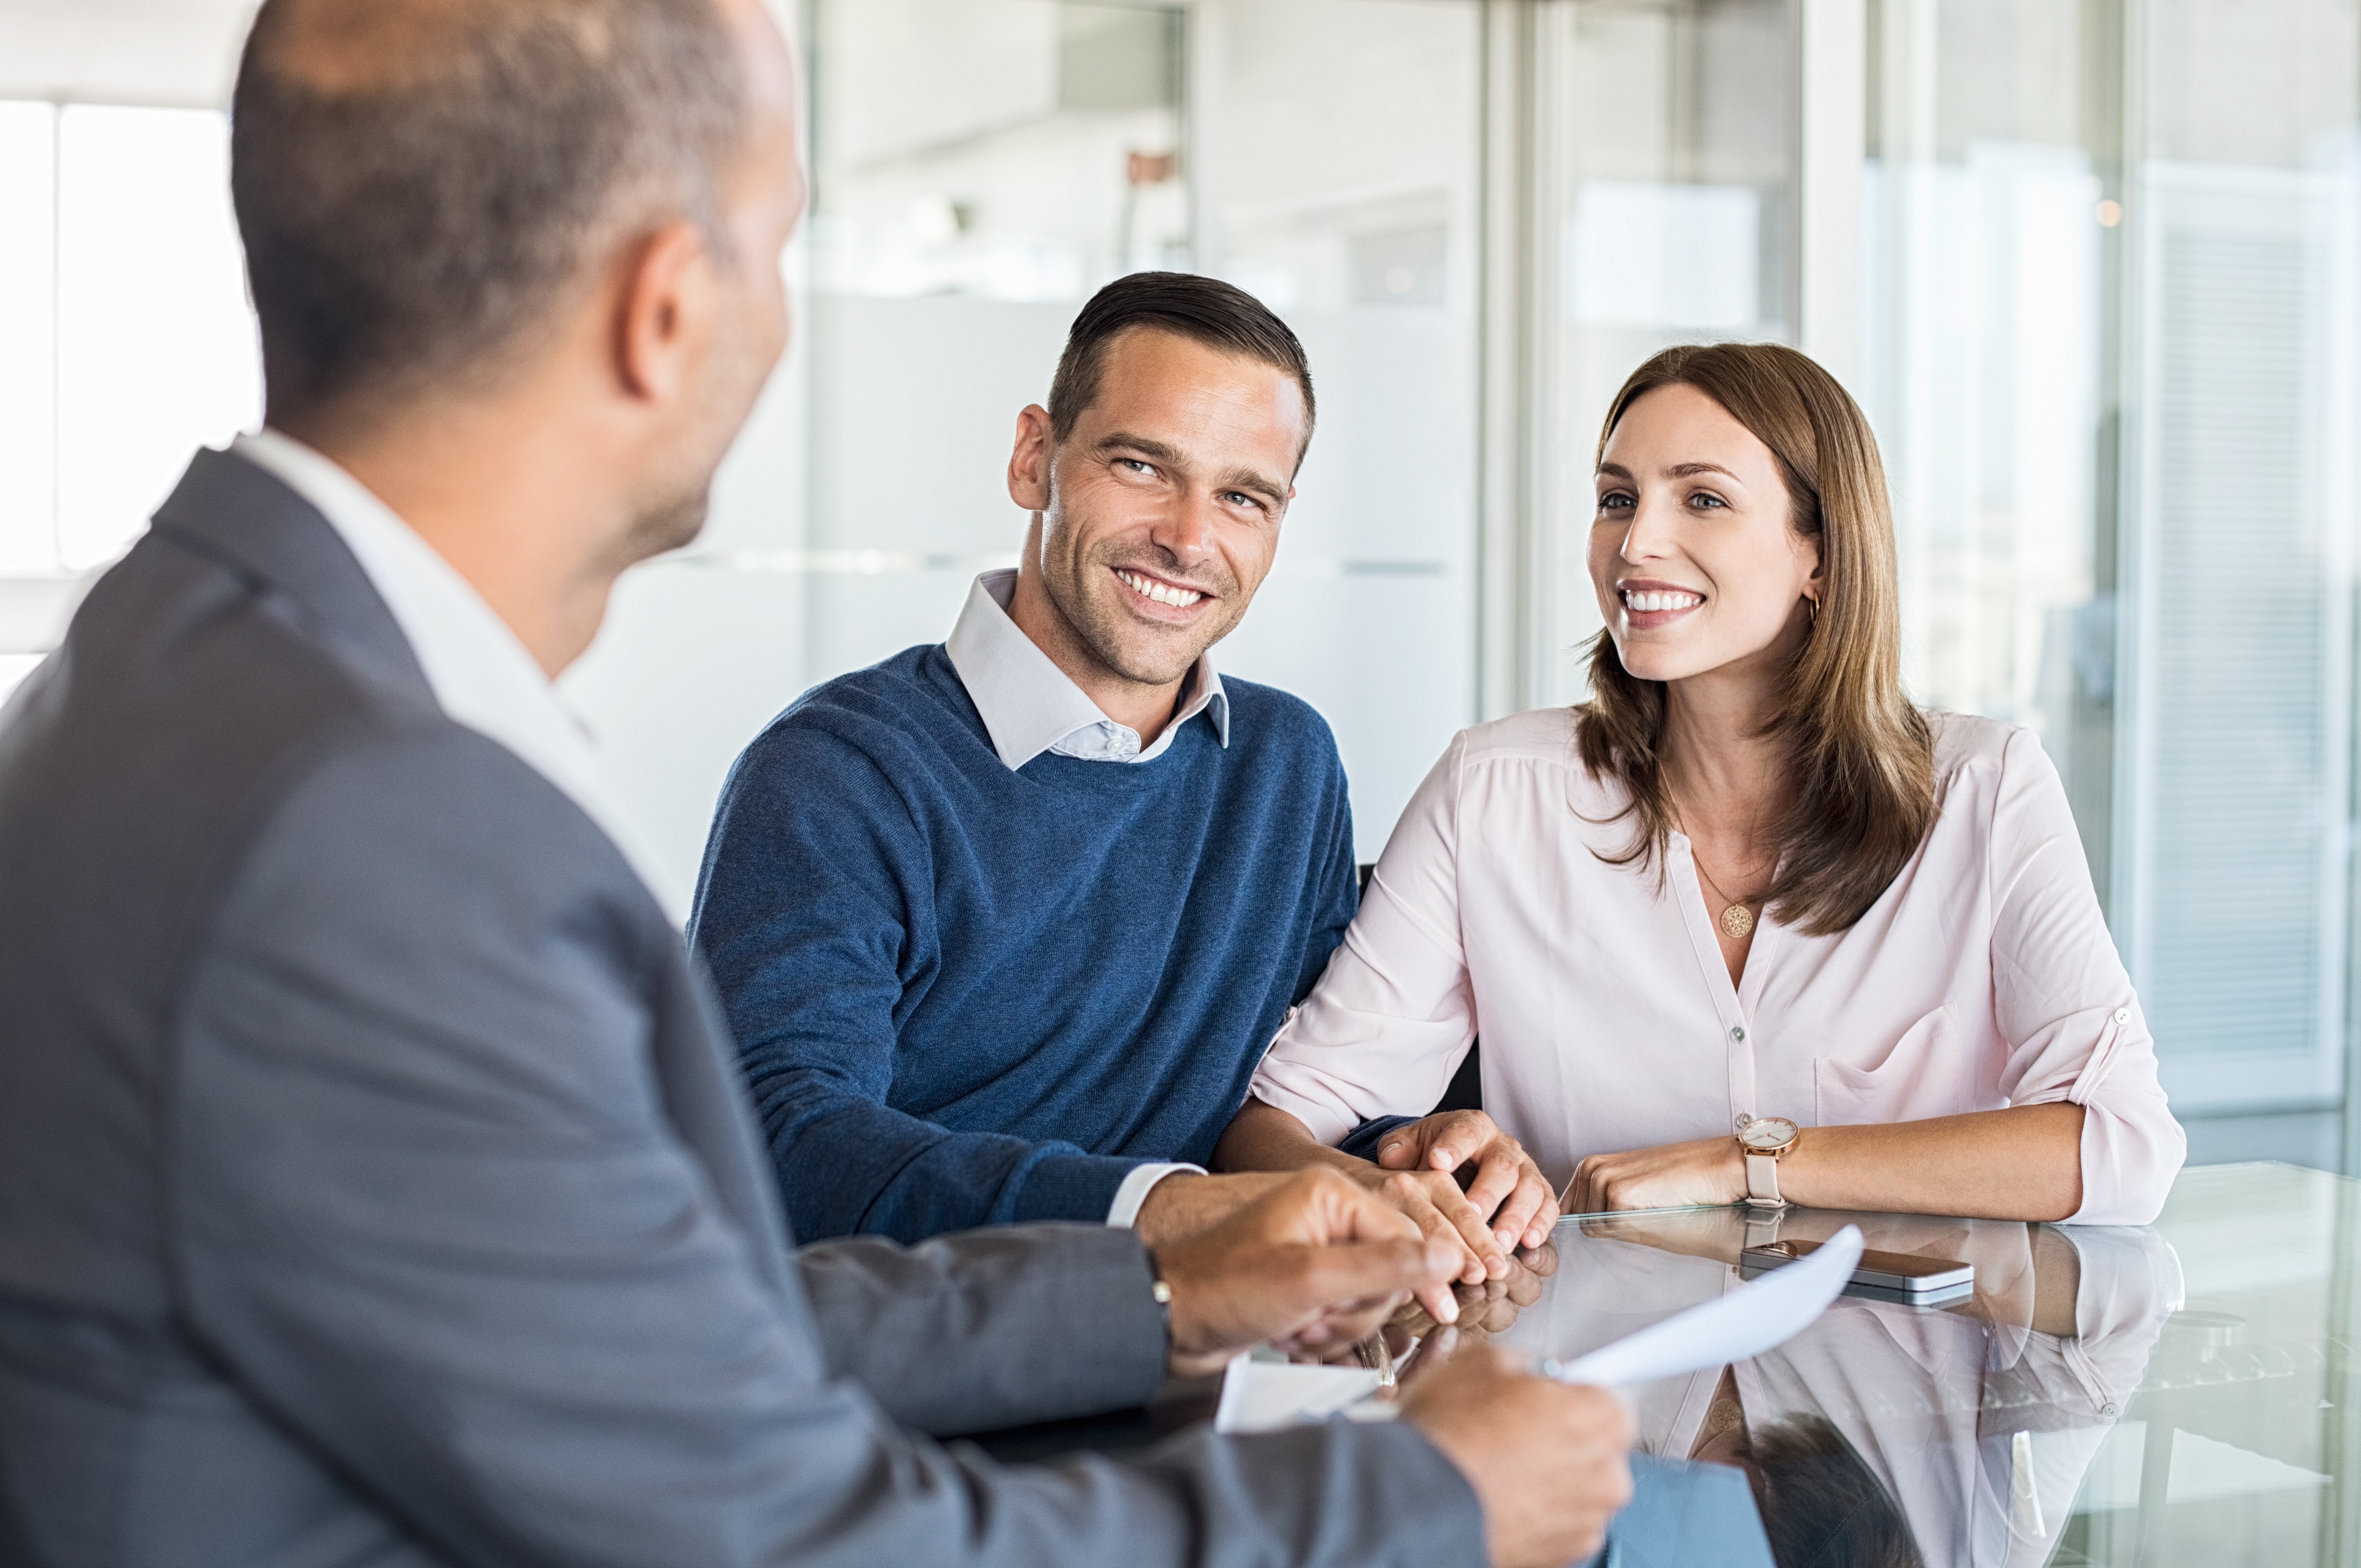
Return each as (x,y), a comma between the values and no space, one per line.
(1984,977)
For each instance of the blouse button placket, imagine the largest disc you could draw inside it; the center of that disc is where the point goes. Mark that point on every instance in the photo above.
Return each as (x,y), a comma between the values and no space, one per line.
(1745,1086)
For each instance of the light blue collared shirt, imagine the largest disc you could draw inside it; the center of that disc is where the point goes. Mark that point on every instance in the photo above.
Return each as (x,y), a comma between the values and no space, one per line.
(1029,705)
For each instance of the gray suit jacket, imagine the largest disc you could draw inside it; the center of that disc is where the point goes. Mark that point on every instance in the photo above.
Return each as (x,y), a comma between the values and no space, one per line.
(376,1186)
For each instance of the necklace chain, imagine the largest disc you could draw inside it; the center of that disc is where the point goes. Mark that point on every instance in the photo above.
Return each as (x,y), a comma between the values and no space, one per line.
(1737,920)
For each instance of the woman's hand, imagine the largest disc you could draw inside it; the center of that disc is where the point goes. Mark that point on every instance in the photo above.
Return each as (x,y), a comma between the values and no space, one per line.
(1709,1170)
(1505,1187)
(1484,1310)
(1432,1198)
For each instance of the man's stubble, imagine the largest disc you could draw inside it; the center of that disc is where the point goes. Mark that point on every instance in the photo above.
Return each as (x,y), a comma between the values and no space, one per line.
(1102,624)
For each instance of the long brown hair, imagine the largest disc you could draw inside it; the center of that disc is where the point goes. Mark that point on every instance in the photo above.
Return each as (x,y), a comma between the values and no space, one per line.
(1861,756)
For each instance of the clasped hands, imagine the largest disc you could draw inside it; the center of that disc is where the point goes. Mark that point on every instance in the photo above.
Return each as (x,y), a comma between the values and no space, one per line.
(1321,1260)
(1507,1202)
(1465,1183)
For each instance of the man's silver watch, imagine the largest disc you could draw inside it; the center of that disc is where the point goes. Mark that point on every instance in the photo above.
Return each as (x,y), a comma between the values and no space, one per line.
(1763,1139)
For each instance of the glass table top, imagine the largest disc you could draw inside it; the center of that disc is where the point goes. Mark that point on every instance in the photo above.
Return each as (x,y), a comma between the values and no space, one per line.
(2174,1394)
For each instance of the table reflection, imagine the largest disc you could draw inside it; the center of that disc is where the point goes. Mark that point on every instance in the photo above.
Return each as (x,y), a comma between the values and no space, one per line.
(1886,1433)
(2179,1397)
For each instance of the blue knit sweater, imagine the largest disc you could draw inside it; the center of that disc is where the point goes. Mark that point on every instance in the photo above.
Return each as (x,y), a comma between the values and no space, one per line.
(968,996)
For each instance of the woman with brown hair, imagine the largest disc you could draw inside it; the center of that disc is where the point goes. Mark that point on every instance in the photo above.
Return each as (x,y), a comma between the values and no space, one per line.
(1747,925)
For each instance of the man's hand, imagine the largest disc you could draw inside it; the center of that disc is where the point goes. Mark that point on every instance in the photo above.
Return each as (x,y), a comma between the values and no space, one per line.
(1547,1461)
(1505,1188)
(1316,1261)
(1709,1170)
(1183,1203)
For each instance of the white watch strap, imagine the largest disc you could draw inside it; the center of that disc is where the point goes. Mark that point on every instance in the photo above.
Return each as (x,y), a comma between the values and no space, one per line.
(1763,1181)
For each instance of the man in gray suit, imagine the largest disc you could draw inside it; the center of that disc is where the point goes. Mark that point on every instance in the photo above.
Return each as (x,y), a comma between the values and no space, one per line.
(375,1184)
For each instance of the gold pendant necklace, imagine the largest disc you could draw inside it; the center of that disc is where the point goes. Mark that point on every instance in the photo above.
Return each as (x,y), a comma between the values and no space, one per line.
(1737,920)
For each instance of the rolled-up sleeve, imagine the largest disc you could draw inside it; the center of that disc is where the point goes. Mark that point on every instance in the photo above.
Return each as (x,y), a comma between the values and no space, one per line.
(1393,1013)
(2063,1002)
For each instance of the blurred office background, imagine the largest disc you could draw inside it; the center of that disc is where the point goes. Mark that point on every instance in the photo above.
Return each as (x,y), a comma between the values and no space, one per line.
(2091,265)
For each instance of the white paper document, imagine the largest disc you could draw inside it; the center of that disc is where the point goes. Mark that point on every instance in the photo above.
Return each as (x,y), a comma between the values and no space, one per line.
(1264,1396)
(1758,1316)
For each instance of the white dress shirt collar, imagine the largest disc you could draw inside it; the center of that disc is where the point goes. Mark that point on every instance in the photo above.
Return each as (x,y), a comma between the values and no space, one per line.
(482,676)
(1029,705)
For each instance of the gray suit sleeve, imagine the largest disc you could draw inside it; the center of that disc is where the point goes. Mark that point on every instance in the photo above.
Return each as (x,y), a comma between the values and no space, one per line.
(992,1328)
(431,1215)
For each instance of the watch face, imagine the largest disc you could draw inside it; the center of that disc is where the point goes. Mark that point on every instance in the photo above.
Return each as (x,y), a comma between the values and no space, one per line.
(1768,1134)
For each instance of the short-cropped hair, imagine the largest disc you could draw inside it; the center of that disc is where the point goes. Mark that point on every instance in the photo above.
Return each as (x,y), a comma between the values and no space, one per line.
(419,182)
(1204,309)
(1822,1506)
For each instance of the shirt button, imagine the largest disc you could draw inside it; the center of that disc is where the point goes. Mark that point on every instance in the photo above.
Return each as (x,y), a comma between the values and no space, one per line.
(1739,1034)
(2108,1410)
(2123,1014)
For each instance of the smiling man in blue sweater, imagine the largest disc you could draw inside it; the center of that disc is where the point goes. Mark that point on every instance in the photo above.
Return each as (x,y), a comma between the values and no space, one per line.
(1003,925)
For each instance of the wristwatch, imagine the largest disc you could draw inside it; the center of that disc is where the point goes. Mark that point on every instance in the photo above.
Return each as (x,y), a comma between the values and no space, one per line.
(1763,1139)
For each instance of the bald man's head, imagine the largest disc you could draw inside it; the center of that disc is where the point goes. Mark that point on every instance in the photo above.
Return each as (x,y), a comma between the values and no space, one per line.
(423,183)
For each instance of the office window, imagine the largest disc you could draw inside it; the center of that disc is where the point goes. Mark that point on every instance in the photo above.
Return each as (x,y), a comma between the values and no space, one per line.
(157,350)
(28,341)
(2112,319)
(2244,278)
(125,338)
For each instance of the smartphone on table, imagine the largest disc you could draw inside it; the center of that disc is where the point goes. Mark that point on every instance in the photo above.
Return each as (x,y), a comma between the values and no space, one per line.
(1900,1276)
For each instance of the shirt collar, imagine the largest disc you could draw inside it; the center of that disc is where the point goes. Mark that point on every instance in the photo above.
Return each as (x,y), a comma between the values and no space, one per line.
(481,676)
(1029,705)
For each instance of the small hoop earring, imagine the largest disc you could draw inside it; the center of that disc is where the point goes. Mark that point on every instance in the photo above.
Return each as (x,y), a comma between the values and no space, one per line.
(1815,603)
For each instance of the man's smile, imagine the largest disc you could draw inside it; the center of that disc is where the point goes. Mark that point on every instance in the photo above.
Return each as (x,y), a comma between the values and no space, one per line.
(1166,596)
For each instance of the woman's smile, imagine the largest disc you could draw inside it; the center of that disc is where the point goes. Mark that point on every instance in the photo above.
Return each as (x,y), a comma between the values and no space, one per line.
(1649,604)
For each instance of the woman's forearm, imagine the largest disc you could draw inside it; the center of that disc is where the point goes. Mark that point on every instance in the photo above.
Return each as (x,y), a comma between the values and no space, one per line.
(2024,1163)
(1264,1137)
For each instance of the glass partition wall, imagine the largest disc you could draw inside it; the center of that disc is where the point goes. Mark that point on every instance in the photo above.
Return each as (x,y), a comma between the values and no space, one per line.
(979,169)
(2241,278)
(1992,131)
(2105,324)
(2107,334)
(1669,199)
(1318,152)
(2112,331)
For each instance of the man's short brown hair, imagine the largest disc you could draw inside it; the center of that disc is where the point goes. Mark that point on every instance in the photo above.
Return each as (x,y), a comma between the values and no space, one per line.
(1204,309)
(417,181)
